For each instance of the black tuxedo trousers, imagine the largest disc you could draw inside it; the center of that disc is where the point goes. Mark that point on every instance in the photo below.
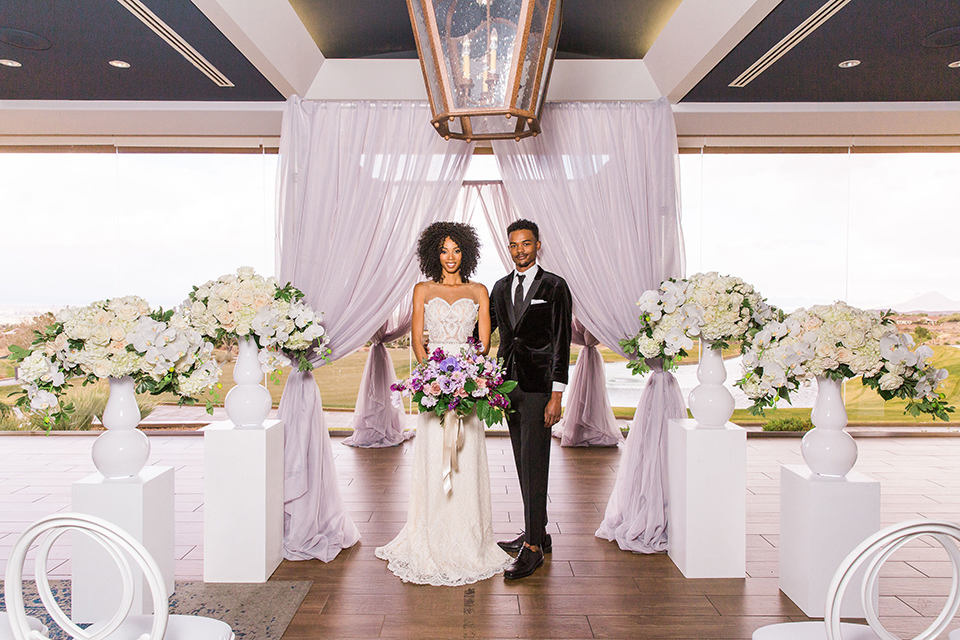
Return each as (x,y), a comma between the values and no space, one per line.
(531,440)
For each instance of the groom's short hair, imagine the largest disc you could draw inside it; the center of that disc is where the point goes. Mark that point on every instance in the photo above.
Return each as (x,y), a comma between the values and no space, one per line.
(517,225)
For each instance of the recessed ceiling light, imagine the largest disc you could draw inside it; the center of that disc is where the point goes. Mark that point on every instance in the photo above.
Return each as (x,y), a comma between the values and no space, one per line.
(846,64)
(954,65)
(949,37)
(119,64)
(10,63)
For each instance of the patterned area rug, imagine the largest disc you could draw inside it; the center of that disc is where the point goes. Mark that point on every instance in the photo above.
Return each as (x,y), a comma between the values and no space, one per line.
(253,611)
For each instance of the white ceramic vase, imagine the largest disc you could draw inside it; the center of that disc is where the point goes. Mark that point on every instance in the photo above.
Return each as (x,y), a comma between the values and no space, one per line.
(827,449)
(248,403)
(121,450)
(710,402)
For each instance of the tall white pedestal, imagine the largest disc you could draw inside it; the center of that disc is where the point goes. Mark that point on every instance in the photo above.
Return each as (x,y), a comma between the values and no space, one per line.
(242,501)
(707,499)
(821,521)
(141,505)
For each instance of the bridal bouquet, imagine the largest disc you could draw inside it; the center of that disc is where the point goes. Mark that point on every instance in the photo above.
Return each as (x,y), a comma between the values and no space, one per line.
(461,383)
(840,342)
(112,339)
(249,305)
(716,309)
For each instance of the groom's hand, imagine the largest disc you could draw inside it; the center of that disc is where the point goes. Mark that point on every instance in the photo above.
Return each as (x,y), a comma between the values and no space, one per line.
(551,414)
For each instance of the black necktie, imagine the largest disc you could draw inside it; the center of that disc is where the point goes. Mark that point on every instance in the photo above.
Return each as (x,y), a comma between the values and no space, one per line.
(518,294)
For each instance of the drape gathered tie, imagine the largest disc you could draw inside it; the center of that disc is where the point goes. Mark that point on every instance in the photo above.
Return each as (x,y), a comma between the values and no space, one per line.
(452,443)
(588,419)
(376,421)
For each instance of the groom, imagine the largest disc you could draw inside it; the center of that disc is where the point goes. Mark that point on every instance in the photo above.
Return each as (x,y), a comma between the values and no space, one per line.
(533,310)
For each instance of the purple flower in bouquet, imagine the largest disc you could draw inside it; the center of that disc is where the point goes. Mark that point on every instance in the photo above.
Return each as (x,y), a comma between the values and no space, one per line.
(416,383)
(438,355)
(447,385)
(450,364)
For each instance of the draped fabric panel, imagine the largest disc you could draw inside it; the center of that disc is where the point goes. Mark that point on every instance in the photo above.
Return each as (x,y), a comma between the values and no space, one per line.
(636,514)
(602,184)
(358,182)
(588,419)
(376,422)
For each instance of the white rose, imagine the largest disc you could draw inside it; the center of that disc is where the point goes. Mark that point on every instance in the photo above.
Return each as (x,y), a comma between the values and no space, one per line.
(890,381)
(245,273)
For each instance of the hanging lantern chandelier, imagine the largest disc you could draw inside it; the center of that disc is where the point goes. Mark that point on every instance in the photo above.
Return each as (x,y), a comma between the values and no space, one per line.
(486,64)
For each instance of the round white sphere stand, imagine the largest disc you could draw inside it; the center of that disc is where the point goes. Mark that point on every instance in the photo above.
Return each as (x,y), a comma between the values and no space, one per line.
(122,450)
(248,404)
(710,402)
(827,449)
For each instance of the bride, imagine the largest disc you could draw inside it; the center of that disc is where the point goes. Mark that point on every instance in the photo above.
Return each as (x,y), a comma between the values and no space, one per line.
(448,538)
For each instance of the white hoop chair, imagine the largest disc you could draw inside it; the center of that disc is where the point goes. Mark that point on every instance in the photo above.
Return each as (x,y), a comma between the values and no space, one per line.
(122,547)
(6,629)
(874,552)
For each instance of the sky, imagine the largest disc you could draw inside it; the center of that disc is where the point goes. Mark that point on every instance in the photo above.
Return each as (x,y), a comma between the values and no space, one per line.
(872,229)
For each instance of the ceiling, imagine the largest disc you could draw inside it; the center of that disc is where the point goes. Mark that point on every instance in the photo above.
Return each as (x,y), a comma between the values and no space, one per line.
(689,51)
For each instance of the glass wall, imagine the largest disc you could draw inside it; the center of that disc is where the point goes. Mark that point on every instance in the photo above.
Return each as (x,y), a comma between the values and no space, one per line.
(873,229)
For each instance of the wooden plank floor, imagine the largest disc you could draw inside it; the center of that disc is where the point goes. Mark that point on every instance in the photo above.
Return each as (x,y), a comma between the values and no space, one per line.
(588,588)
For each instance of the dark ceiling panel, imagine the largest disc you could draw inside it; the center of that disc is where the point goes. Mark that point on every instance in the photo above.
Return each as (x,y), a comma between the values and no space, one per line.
(612,28)
(885,35)
(86,34)
(381,28)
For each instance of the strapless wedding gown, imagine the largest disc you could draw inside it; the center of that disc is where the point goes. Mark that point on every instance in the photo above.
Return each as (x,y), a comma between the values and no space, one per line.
(448,538)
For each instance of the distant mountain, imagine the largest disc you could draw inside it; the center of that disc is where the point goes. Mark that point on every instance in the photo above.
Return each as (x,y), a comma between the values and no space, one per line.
(930,302)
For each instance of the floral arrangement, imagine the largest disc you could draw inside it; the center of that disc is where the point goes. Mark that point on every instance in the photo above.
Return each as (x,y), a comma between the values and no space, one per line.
(840,342)
(446,382)
(247,304)
(112,339)
(716,309)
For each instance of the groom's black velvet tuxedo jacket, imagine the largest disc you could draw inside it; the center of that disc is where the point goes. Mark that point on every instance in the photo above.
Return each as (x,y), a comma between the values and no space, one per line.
(534,340)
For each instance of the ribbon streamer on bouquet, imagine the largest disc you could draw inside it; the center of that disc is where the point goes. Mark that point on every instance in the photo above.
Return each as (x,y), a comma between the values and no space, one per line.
(452,442)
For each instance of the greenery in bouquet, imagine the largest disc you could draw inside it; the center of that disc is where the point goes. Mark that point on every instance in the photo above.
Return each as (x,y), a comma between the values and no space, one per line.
(841,342)
(718,310)
(112,339)
(462,382)
(249,305)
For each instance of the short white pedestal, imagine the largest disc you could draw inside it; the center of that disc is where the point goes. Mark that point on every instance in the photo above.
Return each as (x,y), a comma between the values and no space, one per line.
(141,505)
(821,521)
(707,499)
(242,501)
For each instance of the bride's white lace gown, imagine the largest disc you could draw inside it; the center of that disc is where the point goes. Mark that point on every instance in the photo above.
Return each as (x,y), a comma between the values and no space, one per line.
(448,538)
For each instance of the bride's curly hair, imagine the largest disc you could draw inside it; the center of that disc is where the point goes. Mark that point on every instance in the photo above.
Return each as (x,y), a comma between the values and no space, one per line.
(431,241)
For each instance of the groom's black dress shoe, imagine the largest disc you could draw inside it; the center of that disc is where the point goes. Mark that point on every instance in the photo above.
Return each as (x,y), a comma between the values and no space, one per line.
(513,546)
(525,564)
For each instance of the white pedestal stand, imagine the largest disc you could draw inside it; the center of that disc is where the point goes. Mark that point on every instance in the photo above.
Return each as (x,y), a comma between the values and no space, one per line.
(707,499)
(142,505)
(821,520)
(242,501)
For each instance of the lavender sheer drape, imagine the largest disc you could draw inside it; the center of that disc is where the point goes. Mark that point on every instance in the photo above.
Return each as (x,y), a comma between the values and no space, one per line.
(602,185)
(588,419)
(358,181)
(376,422)
(636,514)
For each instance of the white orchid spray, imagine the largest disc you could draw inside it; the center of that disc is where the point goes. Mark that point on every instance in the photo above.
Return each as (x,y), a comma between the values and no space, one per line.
(841,342)
(719,310)
(114,338)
